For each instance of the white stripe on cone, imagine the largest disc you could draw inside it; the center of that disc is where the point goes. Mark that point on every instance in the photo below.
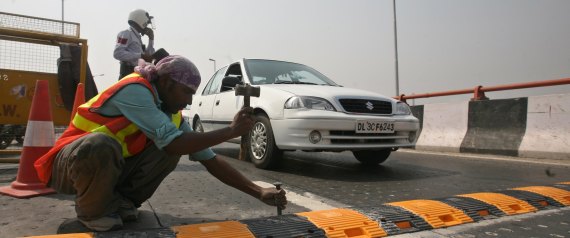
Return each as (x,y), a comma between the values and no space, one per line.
(39,134)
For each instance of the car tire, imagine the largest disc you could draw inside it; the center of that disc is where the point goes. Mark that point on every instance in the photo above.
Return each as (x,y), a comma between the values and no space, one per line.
(197,126)
(260,142)
(372,157)
(4,143)
(6,136)
(20,132)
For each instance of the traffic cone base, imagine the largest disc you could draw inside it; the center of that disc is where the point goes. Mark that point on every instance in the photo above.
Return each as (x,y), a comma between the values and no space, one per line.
(18,193)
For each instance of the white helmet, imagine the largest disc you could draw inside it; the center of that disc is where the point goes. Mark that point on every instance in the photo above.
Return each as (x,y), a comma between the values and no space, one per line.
(141,18)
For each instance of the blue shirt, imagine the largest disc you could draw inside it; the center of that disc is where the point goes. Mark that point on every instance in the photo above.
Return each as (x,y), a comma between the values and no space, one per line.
(137,104)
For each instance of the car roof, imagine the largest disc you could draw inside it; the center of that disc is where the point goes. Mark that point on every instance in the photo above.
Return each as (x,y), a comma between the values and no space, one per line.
(244,59)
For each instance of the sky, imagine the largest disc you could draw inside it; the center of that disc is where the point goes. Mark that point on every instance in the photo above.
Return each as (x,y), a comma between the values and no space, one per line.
(442,44)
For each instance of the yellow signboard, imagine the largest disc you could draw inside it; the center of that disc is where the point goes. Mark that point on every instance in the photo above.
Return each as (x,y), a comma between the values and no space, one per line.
(16,93)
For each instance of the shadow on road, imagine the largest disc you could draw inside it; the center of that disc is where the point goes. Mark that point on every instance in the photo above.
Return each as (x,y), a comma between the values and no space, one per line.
(343,167)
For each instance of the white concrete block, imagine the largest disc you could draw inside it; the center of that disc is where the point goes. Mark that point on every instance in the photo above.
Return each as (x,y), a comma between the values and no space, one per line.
(547,132)
(444,126)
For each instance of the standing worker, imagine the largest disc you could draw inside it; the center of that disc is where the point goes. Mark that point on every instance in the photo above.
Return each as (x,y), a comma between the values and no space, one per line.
(122,143)
(129,47)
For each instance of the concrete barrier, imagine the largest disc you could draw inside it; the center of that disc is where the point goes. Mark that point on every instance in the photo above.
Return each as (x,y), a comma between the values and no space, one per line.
(548,127)
(535,127)
(443,126)
(495,126)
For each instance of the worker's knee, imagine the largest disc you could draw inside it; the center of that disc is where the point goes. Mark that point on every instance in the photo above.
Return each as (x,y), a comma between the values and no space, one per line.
(102,149)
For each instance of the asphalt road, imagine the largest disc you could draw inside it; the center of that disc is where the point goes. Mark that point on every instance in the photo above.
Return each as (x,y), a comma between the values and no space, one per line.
(317,181)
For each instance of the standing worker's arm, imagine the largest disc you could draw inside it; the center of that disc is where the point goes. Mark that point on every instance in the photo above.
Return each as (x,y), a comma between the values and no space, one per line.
(150,47)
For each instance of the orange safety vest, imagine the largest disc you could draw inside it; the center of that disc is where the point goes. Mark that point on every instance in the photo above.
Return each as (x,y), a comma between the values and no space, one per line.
(87,120)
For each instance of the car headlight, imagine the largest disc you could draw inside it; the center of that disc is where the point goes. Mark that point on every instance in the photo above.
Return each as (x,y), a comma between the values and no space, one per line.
(314,103)
(402,109)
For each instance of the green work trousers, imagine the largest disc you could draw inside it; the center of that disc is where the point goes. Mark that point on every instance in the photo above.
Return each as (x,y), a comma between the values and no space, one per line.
(94,169)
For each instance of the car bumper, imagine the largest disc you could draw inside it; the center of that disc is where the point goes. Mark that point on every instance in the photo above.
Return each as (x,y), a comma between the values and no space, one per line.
(337,131)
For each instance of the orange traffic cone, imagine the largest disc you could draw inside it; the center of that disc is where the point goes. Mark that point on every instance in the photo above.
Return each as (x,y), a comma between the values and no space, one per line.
(79,99)
(38,140)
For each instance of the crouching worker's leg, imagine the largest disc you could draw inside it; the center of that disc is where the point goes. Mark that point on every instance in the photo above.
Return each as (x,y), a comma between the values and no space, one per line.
(90,167)
(140,177)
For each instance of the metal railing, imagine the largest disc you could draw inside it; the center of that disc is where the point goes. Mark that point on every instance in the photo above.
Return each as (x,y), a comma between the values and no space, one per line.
(479,91)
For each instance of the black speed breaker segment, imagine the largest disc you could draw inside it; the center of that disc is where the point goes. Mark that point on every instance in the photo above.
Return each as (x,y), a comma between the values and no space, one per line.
(165,232)
(284,226)
(562,186)
(394,220)
(475,209)
(534,199)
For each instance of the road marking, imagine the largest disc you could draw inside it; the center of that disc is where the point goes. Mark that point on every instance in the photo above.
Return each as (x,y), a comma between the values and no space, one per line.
(491,157)
(307,200)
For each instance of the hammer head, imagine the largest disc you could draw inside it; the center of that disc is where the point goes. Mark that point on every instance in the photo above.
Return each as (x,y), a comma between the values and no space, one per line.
(247,91)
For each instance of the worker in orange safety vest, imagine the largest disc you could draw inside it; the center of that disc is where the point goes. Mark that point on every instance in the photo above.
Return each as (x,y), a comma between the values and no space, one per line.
(122,143)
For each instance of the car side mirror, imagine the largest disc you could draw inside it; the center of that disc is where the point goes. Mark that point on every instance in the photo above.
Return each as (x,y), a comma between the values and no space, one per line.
(229,82)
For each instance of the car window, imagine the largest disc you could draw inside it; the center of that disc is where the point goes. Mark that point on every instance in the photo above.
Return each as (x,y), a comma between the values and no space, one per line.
(234,70)
(280,72)
(213,85)
(206,90)
(299,77)
(256,80)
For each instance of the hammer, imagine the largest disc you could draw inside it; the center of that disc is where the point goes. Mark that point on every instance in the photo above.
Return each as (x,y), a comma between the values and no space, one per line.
(246,91)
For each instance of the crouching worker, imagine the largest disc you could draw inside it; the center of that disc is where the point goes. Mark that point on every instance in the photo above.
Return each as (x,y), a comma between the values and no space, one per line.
(122,143)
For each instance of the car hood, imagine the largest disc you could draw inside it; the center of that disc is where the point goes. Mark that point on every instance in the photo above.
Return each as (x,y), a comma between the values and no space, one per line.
(327,92)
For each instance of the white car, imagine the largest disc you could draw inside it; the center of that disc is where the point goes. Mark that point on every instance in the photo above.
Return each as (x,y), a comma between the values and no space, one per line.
(301,109)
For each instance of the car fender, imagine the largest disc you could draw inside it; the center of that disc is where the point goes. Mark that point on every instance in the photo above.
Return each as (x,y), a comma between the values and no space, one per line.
(271,101)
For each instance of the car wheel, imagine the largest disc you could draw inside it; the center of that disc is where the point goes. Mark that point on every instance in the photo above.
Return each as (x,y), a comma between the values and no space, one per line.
(372,157)
(6,136)
(4,144)
(198,126)
(20,132)
(262,150)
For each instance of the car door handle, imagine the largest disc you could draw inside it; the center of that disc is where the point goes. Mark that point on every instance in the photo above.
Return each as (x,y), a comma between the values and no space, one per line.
(200,104)
(217,102)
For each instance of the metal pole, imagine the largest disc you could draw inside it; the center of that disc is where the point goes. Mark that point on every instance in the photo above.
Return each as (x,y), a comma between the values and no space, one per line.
(83,62)
(396,50)
(213,60)
(62,32)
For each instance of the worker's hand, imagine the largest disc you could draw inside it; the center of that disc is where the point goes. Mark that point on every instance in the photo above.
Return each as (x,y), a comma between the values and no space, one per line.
(274,197)
(243,121)
(149,32)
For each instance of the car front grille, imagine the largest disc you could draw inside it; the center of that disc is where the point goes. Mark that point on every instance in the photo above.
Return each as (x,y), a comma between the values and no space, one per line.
(366,106)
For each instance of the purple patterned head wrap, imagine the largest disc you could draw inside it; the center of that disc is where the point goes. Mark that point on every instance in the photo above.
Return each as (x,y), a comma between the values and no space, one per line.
(177,67)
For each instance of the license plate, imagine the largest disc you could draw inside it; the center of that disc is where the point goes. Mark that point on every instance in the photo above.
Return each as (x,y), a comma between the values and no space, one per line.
(374,127)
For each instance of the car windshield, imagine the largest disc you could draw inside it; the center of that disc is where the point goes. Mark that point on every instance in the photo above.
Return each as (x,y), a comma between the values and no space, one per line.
(279,72)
